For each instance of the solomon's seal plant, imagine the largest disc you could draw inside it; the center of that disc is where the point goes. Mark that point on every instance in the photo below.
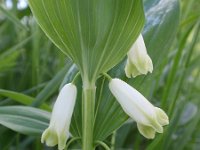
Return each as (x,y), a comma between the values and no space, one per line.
(97,35)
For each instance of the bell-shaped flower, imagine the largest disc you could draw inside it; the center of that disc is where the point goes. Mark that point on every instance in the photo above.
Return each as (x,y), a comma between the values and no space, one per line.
(138,61)
(149,119)
(58,130)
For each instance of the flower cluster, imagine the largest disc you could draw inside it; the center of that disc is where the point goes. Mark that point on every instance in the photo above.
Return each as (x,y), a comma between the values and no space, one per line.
(149,119)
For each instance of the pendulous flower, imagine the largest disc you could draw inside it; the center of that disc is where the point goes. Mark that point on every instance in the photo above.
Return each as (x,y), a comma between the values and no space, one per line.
(138,61)
(58,130)
(150,119)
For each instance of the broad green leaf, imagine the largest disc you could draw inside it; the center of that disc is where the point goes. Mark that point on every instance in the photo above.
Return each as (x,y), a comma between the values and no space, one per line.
(26,120)
(96,35)
(162,18)
(21,98)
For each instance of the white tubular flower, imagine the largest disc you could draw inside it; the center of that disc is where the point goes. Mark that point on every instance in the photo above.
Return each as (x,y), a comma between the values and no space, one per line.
(58,130)
(150,119)
(138,61)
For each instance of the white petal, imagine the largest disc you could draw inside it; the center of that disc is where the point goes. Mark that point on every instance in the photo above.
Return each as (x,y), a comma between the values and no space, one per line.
(150,119)
(132,102)
(58,130)
(63,107)
(139,61)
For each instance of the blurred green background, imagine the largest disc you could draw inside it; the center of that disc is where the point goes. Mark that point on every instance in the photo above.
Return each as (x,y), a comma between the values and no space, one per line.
(33,69)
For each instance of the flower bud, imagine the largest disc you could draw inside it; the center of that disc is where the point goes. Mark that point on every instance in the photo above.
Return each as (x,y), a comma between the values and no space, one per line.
(58,130)
(138,61)
(149,118)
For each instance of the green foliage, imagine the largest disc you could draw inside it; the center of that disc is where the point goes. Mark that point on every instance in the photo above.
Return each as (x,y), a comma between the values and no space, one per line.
(89,32)
(32,71)
(20,98)
(26,120)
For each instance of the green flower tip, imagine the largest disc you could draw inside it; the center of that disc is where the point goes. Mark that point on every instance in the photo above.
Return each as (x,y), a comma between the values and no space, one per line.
(51,139)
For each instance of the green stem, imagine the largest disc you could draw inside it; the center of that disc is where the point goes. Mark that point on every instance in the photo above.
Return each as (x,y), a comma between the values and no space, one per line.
(113,141)
(103,145)
(71,141)
(88,107)
(107,76)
